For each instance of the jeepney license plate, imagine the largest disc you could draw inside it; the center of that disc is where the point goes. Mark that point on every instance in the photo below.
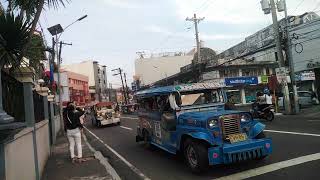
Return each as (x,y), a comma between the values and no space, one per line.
(237,137)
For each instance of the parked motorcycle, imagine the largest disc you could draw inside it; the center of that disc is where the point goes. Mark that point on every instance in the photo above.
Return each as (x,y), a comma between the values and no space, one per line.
(263,111)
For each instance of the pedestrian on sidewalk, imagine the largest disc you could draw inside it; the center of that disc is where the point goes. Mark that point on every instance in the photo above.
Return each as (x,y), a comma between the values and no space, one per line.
(73,127)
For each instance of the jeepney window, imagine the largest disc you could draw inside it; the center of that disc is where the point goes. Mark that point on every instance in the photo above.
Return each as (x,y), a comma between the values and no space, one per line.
(198,98)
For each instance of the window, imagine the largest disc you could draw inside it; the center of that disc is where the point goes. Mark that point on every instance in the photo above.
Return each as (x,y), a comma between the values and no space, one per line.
(98,71)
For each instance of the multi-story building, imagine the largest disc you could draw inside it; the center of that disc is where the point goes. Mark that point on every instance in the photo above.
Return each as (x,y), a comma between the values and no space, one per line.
(247,67)
(159,66)
(78,88)
(74,87)
(97,78)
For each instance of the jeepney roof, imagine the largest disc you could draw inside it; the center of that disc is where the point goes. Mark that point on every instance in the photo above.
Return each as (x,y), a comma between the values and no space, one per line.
(175,88)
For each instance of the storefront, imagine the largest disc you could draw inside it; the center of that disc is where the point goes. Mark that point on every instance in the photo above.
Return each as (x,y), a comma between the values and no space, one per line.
(244,89)
(305,81)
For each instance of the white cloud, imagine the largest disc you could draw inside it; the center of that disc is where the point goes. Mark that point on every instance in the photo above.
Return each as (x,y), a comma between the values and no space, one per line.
(158,29)
(235,11)
(222,36)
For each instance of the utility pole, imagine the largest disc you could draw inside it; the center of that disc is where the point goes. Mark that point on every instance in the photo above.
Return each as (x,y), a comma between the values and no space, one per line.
(291,65)
(59,60)
(123,90)
(280,55)
(196,20)
(127,90)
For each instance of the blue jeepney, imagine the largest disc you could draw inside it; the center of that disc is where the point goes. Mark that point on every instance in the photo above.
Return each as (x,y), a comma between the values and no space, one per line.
(192,119)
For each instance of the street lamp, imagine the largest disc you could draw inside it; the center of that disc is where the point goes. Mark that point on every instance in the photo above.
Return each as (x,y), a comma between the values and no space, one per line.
(54,31)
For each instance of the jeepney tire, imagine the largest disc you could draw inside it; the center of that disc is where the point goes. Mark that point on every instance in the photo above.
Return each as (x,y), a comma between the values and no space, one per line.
(201,154)
(118,123)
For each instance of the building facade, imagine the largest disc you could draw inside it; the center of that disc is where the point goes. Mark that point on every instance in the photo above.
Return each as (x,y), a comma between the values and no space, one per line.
(97,78)
(160,66)
(249,66)
(78,88)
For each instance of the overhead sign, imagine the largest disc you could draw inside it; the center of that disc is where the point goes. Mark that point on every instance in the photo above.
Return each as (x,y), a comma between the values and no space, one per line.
(199,86)
(306,76)
(251,80)
(282,75)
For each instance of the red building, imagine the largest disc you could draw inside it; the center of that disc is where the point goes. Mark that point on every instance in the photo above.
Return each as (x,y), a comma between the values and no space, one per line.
(78,88)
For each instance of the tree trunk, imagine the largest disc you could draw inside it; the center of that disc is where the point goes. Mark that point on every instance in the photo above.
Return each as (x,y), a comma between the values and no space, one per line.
(32,29)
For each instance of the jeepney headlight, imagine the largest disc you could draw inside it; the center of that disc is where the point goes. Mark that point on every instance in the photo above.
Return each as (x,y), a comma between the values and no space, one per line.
(212,123)
(245,118)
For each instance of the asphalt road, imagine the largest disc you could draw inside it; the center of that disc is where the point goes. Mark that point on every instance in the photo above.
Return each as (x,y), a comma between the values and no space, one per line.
(157,164)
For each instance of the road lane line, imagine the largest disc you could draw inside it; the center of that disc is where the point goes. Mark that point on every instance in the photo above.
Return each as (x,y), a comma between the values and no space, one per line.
(102,160)
(296,133)
(132,167)
(126,117)
(126,128)
(313,120)
(272,167)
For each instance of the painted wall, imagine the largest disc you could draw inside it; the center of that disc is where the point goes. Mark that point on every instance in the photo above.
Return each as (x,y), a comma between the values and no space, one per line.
(19,153)
(19,157)
(84,68)
(153,69)
(43,143)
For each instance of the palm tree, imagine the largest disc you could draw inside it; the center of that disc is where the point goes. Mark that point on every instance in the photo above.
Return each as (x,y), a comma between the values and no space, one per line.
(33,10)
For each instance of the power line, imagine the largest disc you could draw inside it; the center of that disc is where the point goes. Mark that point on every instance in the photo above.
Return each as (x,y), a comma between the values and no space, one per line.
(298,6)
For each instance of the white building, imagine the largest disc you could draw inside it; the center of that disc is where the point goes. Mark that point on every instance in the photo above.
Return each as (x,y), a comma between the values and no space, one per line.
(157,67)
(97,78)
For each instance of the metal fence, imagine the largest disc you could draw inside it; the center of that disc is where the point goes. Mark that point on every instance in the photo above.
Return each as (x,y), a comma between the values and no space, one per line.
(13,99)
(38,107)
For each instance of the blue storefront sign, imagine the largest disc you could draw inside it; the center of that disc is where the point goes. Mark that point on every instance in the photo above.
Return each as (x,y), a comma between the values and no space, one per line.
(251,80)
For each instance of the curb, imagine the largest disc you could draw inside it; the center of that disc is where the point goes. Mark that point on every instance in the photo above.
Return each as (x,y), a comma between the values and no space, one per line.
(103,161)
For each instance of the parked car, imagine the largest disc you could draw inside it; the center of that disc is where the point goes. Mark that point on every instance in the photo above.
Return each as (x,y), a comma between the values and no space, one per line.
(304,98)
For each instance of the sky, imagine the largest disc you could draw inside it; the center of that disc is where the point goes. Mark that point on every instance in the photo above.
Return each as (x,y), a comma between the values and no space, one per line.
(116,29)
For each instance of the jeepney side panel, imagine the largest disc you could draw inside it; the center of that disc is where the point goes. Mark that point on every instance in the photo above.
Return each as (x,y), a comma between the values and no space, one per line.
(148,121)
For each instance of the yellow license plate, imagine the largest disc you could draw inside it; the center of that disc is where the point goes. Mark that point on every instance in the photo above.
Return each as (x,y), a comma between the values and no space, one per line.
(237,137)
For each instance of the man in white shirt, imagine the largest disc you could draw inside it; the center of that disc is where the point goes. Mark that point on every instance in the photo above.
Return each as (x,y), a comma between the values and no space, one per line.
(268,98)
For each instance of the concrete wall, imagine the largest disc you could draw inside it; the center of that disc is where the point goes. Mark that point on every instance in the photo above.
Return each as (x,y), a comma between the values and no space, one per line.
(43,143)
(153,69)
(19,153)
(19,157)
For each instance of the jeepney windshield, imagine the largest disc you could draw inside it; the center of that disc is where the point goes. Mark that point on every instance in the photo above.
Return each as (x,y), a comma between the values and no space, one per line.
(201,97)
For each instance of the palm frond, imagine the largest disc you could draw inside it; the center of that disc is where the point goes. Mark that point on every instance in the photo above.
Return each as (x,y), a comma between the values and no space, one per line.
(55,4)
(14,32)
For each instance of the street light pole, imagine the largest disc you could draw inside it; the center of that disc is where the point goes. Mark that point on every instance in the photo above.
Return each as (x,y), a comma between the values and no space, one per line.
(55,30)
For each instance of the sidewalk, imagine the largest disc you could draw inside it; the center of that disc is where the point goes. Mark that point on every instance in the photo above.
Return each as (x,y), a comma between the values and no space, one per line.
(59,165)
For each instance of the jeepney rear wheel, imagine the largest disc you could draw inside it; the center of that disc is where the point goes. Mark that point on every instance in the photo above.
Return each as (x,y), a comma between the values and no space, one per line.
(196,156)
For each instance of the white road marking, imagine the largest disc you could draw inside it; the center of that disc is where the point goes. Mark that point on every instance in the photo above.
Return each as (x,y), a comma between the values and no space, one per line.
(313,120)
(296,133)
(103,160)
(272,167)
(126,128)
(136,170)
(127,117)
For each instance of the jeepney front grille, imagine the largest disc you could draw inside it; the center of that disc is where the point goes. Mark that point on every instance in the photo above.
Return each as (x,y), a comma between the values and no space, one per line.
(245,155)
(230,126)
